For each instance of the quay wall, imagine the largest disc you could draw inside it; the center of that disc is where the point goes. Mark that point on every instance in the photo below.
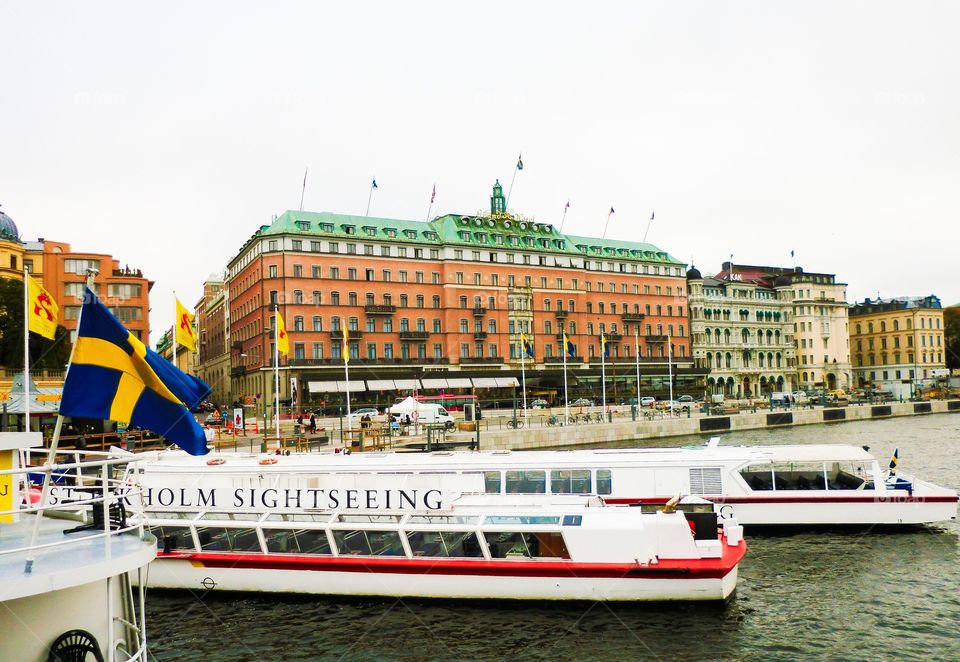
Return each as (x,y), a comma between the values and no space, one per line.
(619,431)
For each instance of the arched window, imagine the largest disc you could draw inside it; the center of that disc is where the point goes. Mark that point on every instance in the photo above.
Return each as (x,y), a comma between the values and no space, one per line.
(729,360)
(726,336)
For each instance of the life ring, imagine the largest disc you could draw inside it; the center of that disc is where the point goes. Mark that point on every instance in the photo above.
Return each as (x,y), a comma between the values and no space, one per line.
(268,460)
(216,461)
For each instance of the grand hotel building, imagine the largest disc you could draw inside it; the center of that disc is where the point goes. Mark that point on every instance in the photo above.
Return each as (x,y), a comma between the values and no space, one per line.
(451,296)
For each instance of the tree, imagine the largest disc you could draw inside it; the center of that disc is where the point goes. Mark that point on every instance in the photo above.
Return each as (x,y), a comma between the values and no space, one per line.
(44,353)
(951,336)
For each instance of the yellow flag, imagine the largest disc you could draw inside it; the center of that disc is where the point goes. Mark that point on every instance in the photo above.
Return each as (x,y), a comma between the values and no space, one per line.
(186,336)
(283,342)
(346,345)
(43,310)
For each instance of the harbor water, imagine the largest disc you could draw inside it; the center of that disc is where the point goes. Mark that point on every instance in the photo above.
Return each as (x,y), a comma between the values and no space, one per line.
(838,596)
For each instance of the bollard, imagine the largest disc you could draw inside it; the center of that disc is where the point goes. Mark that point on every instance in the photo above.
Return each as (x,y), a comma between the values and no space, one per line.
(263,445)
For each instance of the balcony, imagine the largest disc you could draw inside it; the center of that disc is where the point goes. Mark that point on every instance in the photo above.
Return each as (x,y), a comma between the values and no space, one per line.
(559,359)
(479,311)
(479,335)
(238,371)
(379,309)
(481,359)
(562,314)
(237,345)
(656,338)
(614,336)
(414,335)
(394,361)
(632,317)
(338,334)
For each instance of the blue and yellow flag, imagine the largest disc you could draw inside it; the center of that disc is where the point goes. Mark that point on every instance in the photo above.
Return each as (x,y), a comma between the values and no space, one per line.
(604,346)
(894,461)
(526,345)
(115,377)
(569,347)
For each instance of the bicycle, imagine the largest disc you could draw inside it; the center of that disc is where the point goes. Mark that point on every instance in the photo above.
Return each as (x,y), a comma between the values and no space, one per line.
(554,420)
(598,418)
(515,424)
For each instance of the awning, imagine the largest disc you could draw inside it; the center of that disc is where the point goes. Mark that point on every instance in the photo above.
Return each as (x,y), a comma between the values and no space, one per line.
(380,385)
(485,382)
(336,387)
(406,384)
(434,383)
(352,385)
(459,382)
(507,382)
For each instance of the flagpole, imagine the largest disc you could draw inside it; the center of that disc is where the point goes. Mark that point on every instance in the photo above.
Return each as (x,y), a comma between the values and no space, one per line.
(346,371)
(603,370)
(636,344)
(566,393)
(607,224)
(648,227)
(670,369)
(26,350)
(432,196)
(276,372)
(370,197)
(174,329)
(564,218)
(52,453)
(513,179)
(304,190)
(523,379)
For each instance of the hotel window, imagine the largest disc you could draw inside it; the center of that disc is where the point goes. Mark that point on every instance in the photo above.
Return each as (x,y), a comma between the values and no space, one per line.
(354,324)
(526,281)
(317,323)
(476,279)
(388,350)
(318,350)
(418,253)
(547,326)
(334,247)
(315,271)
(421,324)
(272,271)
(297,245)
(352,298)
(404,325)
(351,274)
(402,251)
(299,352)
(403,276)
(371,351)
(464,327)
(335,273)
(434,253)
(458,254)
(298,296)
(463,301)
(511,280)
(437,351)
(116,290)
(405,352)
(334,298)
(388,325)
(478,350)
(436,300)
(419,301)
(418,277)
(271,246)
(317,298)
(368,249)
(403,301)
(464,351)
(315,246)
(475,255)
(371,325)
(435,277)
(436,326)
(385,251)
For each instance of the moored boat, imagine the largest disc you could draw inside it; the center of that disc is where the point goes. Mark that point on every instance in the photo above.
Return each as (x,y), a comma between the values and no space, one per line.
(806,485)
(523,547)
(67,570)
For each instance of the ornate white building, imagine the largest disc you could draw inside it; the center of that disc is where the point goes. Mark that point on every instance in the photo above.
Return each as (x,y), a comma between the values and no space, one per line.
(742,330)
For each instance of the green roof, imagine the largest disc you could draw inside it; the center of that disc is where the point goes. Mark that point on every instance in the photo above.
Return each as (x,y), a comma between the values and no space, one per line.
(495,230)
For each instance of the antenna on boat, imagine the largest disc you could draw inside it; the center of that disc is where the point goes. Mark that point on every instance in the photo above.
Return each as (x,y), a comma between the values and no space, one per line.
(713,442)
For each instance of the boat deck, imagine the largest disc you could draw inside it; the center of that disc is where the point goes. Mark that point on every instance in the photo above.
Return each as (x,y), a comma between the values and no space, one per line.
(64,560)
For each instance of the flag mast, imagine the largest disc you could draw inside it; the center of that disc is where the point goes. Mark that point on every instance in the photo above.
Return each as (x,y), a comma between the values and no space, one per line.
(173,331)
(566,393)
(346,372)
(607,224)
(636,344)
(603,370)
(523,377)
(670,368)
(564,218)
(276,371)
(517,169)
(373,185)
(433,196)
(54,443)
(26,350)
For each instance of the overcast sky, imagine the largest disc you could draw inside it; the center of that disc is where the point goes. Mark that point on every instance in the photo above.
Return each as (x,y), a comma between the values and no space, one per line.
(166,134)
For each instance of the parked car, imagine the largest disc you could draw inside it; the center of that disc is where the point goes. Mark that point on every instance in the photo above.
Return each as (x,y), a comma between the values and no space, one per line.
(539,403)
(357,414)
(213,419)
(837,393)
(686,398)
(648,401)
(582,402)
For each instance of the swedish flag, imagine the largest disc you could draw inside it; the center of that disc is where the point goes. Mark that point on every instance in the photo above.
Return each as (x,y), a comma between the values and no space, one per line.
(569,347)
(894,461)
(604,346)
(526,345)
(113,376)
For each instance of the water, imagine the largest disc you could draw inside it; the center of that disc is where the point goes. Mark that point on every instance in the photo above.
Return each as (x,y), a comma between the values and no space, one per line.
(865,596)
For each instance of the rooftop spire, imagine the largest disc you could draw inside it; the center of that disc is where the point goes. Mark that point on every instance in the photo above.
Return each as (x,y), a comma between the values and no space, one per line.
(498,204)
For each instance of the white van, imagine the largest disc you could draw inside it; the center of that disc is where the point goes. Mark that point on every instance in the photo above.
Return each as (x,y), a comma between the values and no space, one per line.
(428,413)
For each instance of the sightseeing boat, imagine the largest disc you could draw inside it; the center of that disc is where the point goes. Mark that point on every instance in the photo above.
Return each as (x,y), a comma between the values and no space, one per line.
(400,541)
(68,570)
(806,485)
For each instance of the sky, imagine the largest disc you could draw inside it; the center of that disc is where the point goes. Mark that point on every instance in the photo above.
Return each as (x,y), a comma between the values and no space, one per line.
(167,133)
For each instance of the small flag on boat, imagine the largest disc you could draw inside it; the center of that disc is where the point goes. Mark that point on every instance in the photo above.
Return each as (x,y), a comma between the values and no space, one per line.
(113,376)
(894,461)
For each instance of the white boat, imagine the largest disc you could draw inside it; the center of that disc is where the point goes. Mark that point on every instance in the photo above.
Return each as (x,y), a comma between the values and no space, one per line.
(437,545)
(807,485)
(67,570)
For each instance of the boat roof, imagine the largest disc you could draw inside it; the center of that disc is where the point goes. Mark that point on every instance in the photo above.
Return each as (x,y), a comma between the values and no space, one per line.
(178,461)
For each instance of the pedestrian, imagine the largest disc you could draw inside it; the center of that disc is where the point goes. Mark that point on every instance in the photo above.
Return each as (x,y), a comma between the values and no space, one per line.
(313,423)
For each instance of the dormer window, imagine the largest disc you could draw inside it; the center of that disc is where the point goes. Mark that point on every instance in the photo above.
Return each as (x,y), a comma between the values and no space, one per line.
(370,230)
(302,225)
(326,227)
(410,234)
(349,229)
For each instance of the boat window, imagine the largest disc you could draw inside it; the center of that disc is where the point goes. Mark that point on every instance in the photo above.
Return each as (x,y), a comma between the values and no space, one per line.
(526,482)
(522,519)
(758,476)
(491,480)
(526,545)
(170,538)
(443,519)
(365,519)
(297,541)
(846,476)
(248,517)
(570,481)
(369,543)
(220,539)
(298,517)
(167,514)
(798,476)
(604,482)
(460,544)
